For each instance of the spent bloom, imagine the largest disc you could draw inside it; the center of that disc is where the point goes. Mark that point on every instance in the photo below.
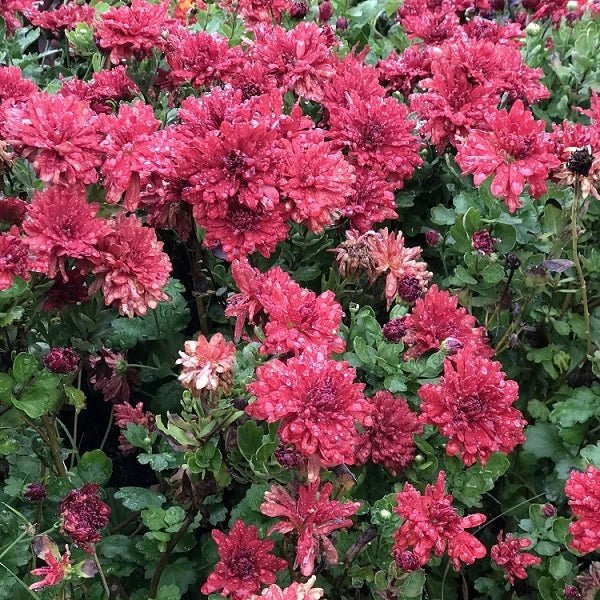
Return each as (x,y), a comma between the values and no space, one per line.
(112,376)
(62,360)
(507,553)
(589,582)
(431,524)
(83,514)
(296,591)
(473,407)
(311,516)
(583,491)
(389,440)
(126,413)
(207,364)
(245,563)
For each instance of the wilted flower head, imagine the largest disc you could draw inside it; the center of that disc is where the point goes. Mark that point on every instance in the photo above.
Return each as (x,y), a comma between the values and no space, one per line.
(589,582)
(112,376)
(65,291)
(57,566)
(83,514)
(355,255)
(125,414)
(311,516)
(62,360)
(583,491)
(207,364)
(508,554)
(245,562)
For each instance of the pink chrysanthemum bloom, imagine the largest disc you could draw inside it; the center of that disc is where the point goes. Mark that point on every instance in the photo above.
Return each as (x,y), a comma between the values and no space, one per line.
(61,224)
(59,135)
(583,491)
(392,257)
(14,87)
(258,11)
(508,554)
(14,258)
(318,403)
(389,441)
(473,407)
(402,73)
(112,376)
(207,364)
(515,150)
(299,59)
(452,104)
(509,34)
(131,269)
(296,591)
(435,318)
(431,524)
(376,132)
(311,516)
(316,179)
(64,17)
(372,199)
(126,413)
(432,28)
(129,158)
(12,211)
(245,563)
(299,319)
(131,30)
(82,515)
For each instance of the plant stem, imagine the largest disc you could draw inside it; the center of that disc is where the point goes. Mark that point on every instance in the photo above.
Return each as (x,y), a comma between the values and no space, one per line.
(52,439)
(101,573)
(582,285)
(108,427)
(366,537)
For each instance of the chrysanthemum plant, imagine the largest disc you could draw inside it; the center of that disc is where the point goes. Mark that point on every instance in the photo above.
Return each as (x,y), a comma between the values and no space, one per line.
(299,300)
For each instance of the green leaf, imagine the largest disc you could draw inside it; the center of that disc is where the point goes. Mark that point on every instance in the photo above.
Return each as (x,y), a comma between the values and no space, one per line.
(507,236)
(468,486)
(592,455)
(560,567)
(136,498)
(75,397)
(578,409)
(41,397)
(542,440)
(24,367)
(412,586)
(6,387)
(250,439)
(493,273)
(95,467)
(168,592)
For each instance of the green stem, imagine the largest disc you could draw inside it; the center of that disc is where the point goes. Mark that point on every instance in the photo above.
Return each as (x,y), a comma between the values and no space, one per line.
(102,576)
(49,423)
(108,427)
(12,544)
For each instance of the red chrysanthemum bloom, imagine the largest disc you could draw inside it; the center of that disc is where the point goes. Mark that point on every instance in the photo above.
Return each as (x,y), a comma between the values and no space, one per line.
(207,364)
(311,516)
(316,179)
(431,524)
(245,563)
(14,258)
(55,571)
(198,59)
(299,319)
(126,413)
(66,16)
(66,291)
(296,591)
(515,150)
(61,224)
(12,211)
(112,376)
(376,132)
(299,59)
(14,87)
(402,73)
(129,157)
(432,28)
(509,34)
(473,407)
(83,514)
(452,104)
(258,11)
(131,30)
(318,403)
(389,441)
(392,258)
(59,135)
(372,199)
(507,554)
(583,491)
(62,360)
(131,269)
(435,318)
(8,11)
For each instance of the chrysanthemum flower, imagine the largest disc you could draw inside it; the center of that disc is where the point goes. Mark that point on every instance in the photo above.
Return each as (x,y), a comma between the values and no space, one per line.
(316,179)
(131,30)
(515,150)
(583,491)
(355,255)
(245,563)
(392,258)
(507,554)
(12,211)
(61,224)
(389,441)
(473,407)
(402,73)
(57,567)
(62,360)
(318,403)
(505,34)
(131,269)
(435,318)
(296,591)
(112,376)
(431,524)
(129,158)
(66,291)
(14,258)
(126,413)
(14,87)
(589,581)
(82,515)
(207,364)
(311,516)
(376,132)
(66,16)
(59,135)
(258,11)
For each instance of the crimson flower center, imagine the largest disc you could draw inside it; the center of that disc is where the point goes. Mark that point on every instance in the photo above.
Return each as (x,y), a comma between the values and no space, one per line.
(242,566)
(471,407)
(322,397)
(235,161)
(242,217)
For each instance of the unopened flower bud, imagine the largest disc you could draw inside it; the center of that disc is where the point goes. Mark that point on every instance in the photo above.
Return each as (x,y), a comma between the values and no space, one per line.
(512,261)
(299,10)
(394,330)
(432,237)
(385,513)
(325,11)
(62,360)
(409,288)
(451,346)
(483,242)
(35,492)
(572,5)
(240,403)
(572,593)
(407,561)
(548,510)
(289,457)
(341,24)
(532,28)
